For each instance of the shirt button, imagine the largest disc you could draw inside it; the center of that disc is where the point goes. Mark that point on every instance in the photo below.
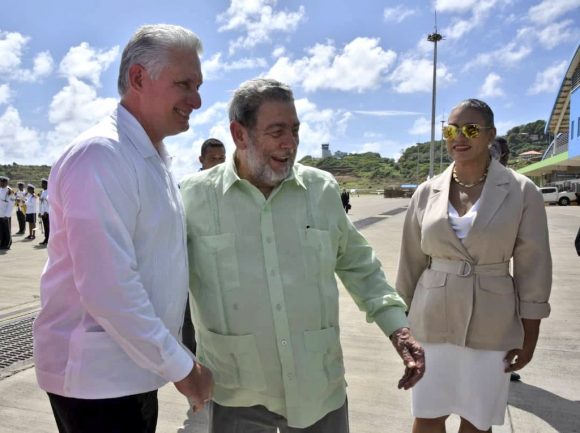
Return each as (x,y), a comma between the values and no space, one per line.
(272,272)
(268,239)
(290,376)
(284,342)
(278,307)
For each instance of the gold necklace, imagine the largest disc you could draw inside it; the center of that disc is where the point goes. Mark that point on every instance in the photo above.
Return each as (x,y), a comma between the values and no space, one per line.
(469,185)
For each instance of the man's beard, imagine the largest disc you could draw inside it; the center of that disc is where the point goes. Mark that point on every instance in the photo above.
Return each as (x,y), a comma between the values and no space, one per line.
(260,169)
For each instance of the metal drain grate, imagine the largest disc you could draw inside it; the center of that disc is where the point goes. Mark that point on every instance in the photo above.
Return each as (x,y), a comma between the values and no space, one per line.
(16,342)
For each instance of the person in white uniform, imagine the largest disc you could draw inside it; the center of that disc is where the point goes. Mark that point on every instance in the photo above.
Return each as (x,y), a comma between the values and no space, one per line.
(114,288)
(476,322)
(43,211)
(7,199)
(31,210)
(21,208)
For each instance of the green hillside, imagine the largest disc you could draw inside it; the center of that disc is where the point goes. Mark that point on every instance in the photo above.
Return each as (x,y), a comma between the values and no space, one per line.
(364,170)
(370,170)
(25,173)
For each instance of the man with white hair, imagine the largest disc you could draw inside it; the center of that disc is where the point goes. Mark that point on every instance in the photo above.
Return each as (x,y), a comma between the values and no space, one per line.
(266,236)
(114,288)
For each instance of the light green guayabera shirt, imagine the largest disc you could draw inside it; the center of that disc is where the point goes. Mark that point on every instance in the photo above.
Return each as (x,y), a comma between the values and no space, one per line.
(264,295)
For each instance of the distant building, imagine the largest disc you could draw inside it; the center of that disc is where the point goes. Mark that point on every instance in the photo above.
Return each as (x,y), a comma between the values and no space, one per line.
(339,155)
(561,160)
(326,153)
(530,155)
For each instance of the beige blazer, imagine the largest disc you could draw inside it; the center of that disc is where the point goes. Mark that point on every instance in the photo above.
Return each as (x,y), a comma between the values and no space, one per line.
(482,309)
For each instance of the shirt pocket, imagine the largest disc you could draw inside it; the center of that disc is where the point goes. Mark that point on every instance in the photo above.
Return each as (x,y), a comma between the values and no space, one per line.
(215,262)
(324,359)
(234,360)
(494,311)
(428,313)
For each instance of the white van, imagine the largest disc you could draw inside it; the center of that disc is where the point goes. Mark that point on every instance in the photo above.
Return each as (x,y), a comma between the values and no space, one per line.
(552,195)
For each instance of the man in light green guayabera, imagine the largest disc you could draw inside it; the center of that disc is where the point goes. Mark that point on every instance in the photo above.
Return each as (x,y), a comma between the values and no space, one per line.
(265,237)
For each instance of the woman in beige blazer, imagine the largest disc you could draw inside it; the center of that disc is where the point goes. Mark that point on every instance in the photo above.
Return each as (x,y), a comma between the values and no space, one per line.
(476,321)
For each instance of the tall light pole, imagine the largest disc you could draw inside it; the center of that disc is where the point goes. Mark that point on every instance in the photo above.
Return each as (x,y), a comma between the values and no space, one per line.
(433,37)
(441,148)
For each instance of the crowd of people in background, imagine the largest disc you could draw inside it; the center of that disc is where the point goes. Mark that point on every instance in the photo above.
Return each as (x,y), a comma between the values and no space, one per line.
(29,207)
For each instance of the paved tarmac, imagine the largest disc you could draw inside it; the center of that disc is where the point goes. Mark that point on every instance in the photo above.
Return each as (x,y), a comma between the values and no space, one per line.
(547,400)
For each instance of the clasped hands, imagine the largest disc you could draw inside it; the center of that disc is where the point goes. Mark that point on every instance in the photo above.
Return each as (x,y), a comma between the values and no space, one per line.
(412,355)
(197,386)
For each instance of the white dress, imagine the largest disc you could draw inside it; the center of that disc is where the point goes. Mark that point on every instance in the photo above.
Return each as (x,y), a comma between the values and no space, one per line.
(467,382)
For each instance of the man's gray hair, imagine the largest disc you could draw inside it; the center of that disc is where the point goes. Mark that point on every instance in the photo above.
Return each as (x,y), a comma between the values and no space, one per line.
(151,46)
(482,107)
(251,94)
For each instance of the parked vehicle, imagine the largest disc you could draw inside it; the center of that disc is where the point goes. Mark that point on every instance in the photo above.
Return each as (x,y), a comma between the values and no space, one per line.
(553,195)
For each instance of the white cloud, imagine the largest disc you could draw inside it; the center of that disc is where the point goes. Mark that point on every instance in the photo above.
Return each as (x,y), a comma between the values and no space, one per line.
(424,46)
(43,64)
(5,93)
(491,87)
(360,66)
(421,126)
(217,111)
(86,63)
(549,10)
(386,148)
(455,6)
(387,113)
(374,147)
(317,126)
(549,80)
(557,33)
(372,135)
(480,11)
(74,109)
(398,13)
(17,142)
(278,52)
(258,19)
(214,65)
(509,55)
(416,75)
(342,123)
(12,46)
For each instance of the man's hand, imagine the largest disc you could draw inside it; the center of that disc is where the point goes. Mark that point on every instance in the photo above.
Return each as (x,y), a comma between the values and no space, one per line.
(412,355)
(197,386)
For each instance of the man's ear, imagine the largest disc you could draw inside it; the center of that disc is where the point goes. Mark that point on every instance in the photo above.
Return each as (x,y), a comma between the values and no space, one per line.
(239,135)
(137,76)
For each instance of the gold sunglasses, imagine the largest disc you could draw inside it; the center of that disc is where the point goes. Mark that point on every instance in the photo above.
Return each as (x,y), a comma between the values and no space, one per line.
(469,130)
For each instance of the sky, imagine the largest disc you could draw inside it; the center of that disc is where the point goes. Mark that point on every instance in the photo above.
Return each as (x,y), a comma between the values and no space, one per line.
(361,71)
